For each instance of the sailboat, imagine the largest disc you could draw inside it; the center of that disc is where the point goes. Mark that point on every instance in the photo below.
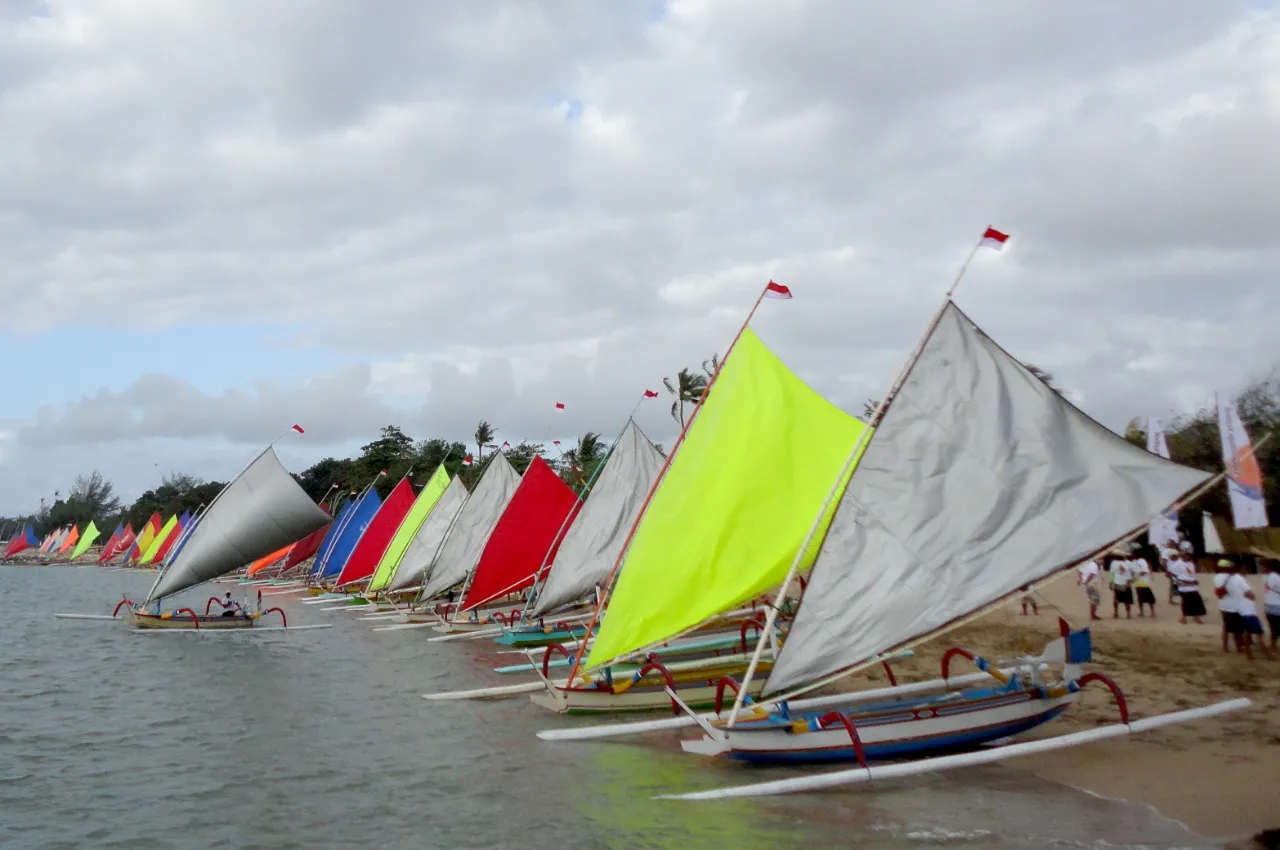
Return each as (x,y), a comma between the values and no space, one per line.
(260,511)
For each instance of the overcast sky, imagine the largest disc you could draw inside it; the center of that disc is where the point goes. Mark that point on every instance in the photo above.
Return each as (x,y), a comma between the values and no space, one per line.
(220,218)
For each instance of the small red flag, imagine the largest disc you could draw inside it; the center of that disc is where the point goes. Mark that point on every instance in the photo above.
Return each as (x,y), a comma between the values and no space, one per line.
(556,442)
(505,444)
(559,405)
(777,290)
(468,460)
(298,428)
(650,394)
(994,239)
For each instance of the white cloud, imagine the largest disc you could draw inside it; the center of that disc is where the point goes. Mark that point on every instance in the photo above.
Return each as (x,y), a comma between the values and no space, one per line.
(501,205)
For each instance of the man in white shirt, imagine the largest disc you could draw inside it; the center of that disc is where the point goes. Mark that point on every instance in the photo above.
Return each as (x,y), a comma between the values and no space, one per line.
(1183,575)
(1142,585)
(1226,605)
(1121,590)
(1087,578)
(1241,597)
(230,607)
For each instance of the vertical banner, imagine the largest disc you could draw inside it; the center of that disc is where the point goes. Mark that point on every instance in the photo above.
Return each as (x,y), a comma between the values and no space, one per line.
(1244,476)
(1164,531)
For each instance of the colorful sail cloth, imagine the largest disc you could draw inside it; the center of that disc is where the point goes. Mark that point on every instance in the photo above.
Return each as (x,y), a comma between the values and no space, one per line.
(111,541)
(26,540)
(736,503)
(409,526)
(69,540)
(593,542)
(172,538)
(86,540)
(472,527)
(426,543)
(308,546)
(364,558)
(336,528)
(526,536)
(979,480)
(268,559)
(260,511)
(121,544)
(151,554)
(144,539)
(1244,475)
(362,513)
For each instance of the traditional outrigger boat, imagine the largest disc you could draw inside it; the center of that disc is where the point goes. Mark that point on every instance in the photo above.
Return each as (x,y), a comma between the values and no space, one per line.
(260,511)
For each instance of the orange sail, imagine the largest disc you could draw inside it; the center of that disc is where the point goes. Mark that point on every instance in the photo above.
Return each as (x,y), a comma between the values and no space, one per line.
(70,541)
(267,560)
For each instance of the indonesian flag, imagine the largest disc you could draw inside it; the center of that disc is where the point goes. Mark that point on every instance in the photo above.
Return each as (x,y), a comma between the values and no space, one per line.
(555,442)
(505,444)
(559,405)
(994,239)
(468,460)
(650,394)
(298,428)
(775,290)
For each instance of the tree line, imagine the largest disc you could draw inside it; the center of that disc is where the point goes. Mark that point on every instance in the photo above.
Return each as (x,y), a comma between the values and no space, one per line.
(1193,440)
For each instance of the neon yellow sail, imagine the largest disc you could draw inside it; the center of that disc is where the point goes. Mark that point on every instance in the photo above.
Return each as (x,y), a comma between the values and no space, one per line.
(735,505)
(86,540)
(150,553)
(409,527)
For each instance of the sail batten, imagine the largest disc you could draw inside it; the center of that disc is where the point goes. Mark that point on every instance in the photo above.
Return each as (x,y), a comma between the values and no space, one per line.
(980,479)
(260,511)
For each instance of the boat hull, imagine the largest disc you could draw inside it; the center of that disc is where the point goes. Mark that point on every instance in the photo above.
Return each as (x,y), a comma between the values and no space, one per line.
(909,729)
(183,621)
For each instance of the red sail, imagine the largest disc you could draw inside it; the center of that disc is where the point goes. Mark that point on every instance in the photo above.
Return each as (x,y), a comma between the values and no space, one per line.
(307,546)
(373,542)
(528,533)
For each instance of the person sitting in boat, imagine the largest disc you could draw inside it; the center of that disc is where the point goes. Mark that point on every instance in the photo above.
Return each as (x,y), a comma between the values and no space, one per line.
(230,607)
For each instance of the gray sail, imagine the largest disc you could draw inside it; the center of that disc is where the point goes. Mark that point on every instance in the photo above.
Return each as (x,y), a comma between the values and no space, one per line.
(472,527)
(261,511)
(593,542)
(979,480)
(422,549)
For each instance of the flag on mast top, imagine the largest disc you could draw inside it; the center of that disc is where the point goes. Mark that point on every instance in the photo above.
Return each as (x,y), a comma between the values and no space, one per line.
(297,428)
(559,405)
(777,290)
(650,394)
(994,239)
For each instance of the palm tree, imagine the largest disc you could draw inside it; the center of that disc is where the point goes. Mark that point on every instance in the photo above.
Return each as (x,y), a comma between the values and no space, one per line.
(687,390)
(484,436)
(588,449)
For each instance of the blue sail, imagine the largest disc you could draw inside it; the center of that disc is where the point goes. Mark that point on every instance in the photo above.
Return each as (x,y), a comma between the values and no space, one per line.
(331,536)
(360,517)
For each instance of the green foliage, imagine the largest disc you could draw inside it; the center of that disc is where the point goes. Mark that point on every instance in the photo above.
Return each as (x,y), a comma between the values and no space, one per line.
(178,492)
(687,389)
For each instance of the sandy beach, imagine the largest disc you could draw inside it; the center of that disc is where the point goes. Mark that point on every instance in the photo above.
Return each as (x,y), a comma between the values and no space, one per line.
(1215,776)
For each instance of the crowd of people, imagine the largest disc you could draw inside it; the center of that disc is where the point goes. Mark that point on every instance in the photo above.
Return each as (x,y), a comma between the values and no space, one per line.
(1129,578)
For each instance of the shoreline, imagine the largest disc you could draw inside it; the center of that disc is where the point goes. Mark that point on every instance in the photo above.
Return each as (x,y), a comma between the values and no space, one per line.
(1213,776)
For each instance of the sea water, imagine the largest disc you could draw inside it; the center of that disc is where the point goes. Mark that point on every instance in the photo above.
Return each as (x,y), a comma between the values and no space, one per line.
(112,738)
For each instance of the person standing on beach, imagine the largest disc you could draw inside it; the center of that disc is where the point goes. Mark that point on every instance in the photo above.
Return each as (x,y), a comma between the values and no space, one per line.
(1245,603)
(1271,599)
(1142,585)
(1087,578)
(1227,606)
(1121,591)
(1183,573)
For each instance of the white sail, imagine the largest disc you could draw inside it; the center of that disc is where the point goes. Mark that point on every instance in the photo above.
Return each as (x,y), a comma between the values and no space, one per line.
(1212,540)
(426,543)
(592,543)
(979,479)
(1163,531)
(1244,476)
(472,527)
(261,511)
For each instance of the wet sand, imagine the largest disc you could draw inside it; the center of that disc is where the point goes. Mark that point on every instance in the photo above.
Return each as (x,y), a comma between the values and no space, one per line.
(1217,776)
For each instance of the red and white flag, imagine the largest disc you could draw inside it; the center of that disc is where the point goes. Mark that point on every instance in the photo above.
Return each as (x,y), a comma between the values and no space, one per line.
(994,239)
(505,444)
(777,290)
(559,405)
(298,428)
(650,394)
(468,460)
(555,442)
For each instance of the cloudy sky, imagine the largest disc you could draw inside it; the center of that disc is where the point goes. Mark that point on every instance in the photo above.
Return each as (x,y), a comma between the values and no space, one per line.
(219,218)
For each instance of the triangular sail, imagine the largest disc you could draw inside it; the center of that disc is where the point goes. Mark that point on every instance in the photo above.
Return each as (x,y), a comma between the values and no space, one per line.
(525,536)
(308,546)
(426,543)
(121,543)
(171,539)
(980,479)
(69,540)
(1212,540)
(150,553)
(736,503)
(413,520)
(143,541)
(364,558)
(260,511)
(472,526)
(349,533)
(595,539)
(26,540)
(86,540)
